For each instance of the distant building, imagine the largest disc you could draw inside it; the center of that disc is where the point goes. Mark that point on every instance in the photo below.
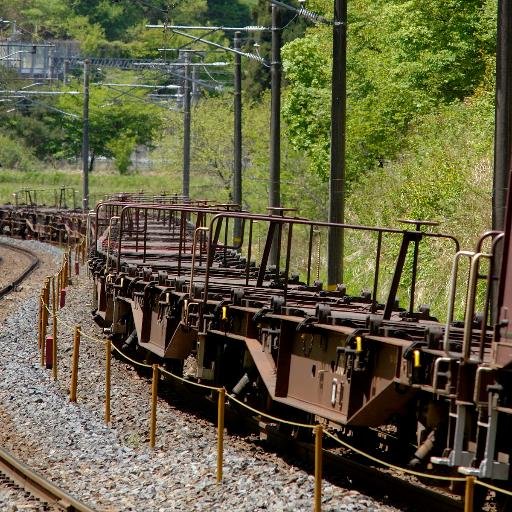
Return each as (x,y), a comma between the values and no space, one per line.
(38,60)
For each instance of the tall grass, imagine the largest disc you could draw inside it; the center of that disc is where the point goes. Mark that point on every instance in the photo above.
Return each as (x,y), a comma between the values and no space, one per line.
(445,176)
(103,183)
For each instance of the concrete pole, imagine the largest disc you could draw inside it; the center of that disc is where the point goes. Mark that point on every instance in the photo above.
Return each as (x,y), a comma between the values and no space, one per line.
(85,139)
(274,196)
(237,157)
(186,128)
(338,127)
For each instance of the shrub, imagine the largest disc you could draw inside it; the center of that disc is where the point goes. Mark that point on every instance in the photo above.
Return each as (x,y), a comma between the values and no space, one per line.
(15,155)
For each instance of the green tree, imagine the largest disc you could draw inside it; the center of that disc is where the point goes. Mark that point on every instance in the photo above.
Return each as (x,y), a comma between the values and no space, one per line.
(212,157)
(228,13)
(116,125)
(116,17)
(405,58)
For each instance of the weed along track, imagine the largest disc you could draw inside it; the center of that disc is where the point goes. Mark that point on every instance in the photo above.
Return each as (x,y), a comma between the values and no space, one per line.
(194,330)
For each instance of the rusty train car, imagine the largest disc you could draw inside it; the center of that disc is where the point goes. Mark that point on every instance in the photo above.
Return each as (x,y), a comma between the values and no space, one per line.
(235,299)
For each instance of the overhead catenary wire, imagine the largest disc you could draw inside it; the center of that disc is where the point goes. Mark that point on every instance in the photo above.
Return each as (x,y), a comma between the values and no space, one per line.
(251,56)
(248,28)
(304,13)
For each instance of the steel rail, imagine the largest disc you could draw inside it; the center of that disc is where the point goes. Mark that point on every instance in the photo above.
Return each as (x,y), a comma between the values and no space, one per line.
(38,486)
(34,263)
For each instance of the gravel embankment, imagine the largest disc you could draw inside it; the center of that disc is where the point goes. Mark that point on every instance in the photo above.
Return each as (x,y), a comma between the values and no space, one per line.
(111,467)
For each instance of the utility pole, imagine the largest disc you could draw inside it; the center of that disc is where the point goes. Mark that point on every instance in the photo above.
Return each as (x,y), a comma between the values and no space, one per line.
(85,138)
(338,127)
(502,149)
(237,137)
(186,127)
(503,130)
(274,192)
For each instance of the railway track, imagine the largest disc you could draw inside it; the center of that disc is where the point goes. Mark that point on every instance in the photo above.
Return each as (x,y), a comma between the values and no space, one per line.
(38,486)
(13,470)
(7,287)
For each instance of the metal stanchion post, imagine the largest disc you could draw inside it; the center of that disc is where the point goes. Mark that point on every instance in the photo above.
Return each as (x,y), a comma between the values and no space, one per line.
(220,433)
(46,300)
(108,354)
(40,323)
(469,494)
(318,468)
(59,286)
(74,366)
(70,266)
(154,396)
(54,313)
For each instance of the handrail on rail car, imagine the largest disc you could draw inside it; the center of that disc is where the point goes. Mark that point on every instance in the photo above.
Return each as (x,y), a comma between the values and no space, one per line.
(470,305)
(276,221)
(474,257)
(180,208)
(451,296)
(498,236)
(200,229)
(111,223)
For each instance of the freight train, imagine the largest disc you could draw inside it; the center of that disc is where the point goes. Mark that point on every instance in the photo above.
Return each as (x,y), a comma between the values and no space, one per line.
(235,299)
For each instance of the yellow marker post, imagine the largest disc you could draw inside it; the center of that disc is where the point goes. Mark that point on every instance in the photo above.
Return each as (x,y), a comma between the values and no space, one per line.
(40,322)
(54,318)
(469,494)
(69,265)
(220,433)
(59,287)
(359,344)
(74,366)
(154,397)
(318,468)
(44,325)
(65,272)
(108,354)
(224,313)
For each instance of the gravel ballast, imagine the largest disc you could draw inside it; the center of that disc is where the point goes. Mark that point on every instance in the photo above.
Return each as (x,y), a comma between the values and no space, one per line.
(112,468)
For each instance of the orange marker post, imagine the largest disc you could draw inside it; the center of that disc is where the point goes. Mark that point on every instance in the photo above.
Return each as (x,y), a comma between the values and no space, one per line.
(154,396)
(220,433)
(318,468)
(74,365)
(108,359)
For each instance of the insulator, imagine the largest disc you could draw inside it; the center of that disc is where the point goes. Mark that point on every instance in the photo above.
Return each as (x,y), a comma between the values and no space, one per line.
(312,16)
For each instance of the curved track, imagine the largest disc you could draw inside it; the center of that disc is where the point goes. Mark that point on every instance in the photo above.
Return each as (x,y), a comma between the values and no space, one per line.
(33,264)
(13,469)
(38,486)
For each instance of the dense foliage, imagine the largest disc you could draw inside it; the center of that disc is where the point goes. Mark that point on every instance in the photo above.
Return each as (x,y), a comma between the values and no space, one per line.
(116,23)
(405,58)
(410,64)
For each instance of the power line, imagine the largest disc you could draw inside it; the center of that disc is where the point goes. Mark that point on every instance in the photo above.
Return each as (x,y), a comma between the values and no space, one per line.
(249,28)
(304,13)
